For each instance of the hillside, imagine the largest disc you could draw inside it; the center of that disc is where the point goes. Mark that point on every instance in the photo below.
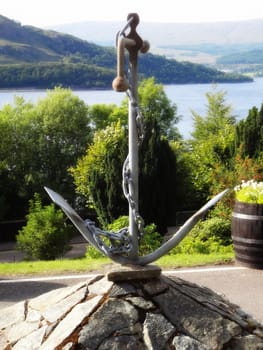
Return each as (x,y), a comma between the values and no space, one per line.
(247,57)
(32,57)
(26,44)
(194,42)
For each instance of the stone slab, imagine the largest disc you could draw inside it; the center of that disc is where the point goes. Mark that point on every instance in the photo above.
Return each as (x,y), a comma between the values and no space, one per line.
(66,327)
(133,272)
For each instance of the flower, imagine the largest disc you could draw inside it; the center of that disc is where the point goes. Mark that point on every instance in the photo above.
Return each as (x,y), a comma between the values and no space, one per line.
(249,191)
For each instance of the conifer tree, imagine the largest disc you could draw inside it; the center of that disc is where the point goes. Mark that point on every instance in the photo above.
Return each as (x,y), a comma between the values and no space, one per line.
(249,133)
(157,178)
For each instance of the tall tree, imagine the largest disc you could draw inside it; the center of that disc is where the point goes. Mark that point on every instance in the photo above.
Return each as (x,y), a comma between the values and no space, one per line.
(211,143)
(98,173)
(156,106)
(38,144)
(102,115)
(18,139)
(157,181)
(218,118)
(249,133)
(65,134)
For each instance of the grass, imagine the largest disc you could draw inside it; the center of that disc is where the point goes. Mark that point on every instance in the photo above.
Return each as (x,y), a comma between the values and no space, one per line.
(85,264)
(187,260)
(52,267)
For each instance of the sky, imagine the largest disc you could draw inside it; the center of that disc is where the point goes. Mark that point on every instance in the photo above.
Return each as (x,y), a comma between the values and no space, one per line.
(44,13)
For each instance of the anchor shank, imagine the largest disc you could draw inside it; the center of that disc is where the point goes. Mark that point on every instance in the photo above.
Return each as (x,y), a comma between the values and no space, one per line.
(133,162)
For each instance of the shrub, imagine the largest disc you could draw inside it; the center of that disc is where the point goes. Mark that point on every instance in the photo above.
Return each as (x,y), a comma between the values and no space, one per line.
(45,235)
(150,241)
(212,235)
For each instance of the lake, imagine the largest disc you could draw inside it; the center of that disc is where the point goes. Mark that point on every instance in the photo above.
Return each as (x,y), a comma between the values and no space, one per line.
(188,97)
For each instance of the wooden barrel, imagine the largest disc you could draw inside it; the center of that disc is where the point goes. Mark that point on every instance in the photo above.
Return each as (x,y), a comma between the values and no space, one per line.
(247,234)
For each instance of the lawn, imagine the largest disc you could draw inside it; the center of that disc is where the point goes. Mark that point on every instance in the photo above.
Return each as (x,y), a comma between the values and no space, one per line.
(86,264)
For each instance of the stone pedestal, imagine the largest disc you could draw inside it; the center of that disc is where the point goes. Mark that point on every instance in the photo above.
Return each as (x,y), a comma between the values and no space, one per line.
(129,308)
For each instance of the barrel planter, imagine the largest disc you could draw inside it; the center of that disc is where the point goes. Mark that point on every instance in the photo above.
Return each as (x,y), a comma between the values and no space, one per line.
(247,234)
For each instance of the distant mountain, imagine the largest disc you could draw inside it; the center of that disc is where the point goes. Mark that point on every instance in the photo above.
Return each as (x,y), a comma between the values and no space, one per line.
(169,34)
(32,57)
(244,57)
(194,42)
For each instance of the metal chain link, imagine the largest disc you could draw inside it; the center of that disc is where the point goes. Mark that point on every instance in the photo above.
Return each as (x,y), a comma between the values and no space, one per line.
(127,185)
(139,117)
(127,181)
(119,241)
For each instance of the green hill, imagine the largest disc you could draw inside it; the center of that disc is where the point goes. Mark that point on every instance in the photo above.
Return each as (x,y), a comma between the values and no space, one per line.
(32,57)
(247,57)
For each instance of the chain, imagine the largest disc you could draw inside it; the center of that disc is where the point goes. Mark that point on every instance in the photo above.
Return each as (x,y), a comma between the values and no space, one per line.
(119,241)
(139,117)
(127,185)
(127,181)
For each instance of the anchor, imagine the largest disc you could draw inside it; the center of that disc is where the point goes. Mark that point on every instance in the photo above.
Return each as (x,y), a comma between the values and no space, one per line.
(123,246)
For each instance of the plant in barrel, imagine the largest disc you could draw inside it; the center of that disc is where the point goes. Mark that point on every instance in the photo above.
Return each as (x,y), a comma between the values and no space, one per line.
(247,223)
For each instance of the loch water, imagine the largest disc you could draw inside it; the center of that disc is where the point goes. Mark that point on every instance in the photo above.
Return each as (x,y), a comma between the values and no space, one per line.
(189,97)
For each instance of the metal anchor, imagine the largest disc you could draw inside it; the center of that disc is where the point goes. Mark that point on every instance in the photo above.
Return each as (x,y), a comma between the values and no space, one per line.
(123,245)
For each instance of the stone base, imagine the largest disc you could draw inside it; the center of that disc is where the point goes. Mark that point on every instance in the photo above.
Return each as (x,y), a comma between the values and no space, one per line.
(133,272)
(142,314)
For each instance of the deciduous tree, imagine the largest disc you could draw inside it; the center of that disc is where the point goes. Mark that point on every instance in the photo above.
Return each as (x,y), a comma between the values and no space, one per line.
(38,143)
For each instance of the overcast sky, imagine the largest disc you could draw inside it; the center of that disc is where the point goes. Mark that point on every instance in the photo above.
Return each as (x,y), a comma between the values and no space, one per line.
(42,13)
